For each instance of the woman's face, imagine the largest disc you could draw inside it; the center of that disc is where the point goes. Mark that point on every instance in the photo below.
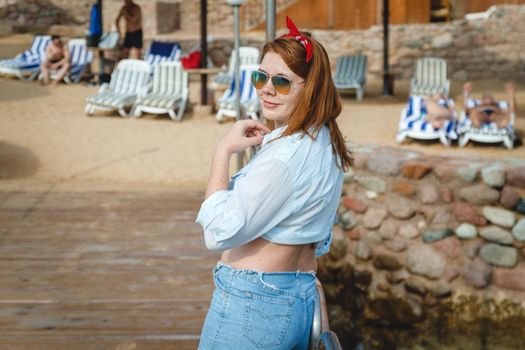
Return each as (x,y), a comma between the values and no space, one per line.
(276,106)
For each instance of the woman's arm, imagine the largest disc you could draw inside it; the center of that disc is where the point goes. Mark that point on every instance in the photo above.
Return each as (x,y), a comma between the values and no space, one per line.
(243,134)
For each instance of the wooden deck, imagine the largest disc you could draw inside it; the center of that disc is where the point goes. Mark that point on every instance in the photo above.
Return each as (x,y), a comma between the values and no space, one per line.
(102,270)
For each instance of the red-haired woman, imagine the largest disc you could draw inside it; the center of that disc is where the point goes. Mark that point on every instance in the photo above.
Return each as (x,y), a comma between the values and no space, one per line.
(276,214)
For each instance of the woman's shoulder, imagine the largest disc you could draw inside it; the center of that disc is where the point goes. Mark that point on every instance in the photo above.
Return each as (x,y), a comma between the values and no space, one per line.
(299,144)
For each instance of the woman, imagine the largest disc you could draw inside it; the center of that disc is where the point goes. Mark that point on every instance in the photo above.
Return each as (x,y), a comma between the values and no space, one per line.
(439,109)
(276,213)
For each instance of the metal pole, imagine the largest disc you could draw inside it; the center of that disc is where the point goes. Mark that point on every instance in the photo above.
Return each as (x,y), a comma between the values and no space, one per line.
(100,52)
(204,53)
(270,20)
(237,75)
(387,78)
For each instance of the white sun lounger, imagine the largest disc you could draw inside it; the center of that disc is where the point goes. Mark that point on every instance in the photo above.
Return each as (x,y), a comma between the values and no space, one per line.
(488,132)
(430,77)
(169,94)
(127,81)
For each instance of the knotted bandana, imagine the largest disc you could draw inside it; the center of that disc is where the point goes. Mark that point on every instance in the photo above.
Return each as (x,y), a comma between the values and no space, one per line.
(296,34)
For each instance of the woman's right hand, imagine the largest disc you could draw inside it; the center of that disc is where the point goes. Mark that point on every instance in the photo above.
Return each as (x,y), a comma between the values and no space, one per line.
(243,134)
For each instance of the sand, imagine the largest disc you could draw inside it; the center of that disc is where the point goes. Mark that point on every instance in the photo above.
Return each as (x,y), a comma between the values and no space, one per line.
(46,139)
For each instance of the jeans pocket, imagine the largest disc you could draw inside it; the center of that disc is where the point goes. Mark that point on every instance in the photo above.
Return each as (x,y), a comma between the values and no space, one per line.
(266,320)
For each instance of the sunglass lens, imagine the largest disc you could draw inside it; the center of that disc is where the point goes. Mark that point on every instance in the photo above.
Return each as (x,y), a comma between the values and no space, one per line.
(259,79)
(281,84)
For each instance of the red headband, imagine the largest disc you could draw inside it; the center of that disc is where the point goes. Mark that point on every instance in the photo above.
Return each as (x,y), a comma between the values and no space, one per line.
(296,34)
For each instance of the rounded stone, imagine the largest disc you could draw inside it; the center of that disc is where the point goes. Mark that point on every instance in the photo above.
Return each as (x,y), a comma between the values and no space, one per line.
(493,176)
(499,216)
(384,163)
(387,262)
(518,231)
(432,235)
(466,231)
(371,183)
(347,220)
(362,251)
(496,234)
(425,261)
(509,198)
(477,274)
(395,245)
(516,177)
(479,194)
(374,217)
(468,173)
(499,255)
(400,207)
(428,193)
(388,229)
(409,231)
(416,285)
(440,289)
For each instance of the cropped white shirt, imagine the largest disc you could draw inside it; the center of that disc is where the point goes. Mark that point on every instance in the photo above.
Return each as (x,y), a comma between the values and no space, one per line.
(288,193)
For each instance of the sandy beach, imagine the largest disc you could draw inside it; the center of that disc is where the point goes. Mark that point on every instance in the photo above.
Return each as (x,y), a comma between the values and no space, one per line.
(46,139)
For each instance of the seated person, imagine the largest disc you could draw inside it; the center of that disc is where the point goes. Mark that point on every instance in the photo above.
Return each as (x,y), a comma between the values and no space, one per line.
(438,110)
(488,109)
(57,59)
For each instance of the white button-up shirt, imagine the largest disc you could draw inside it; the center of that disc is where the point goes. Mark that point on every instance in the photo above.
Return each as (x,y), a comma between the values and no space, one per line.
(288,194)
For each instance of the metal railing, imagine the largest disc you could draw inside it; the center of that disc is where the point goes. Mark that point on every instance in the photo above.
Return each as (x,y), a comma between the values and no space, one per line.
(319,340)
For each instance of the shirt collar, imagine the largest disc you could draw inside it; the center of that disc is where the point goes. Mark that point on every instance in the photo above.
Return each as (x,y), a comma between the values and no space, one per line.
(275,133)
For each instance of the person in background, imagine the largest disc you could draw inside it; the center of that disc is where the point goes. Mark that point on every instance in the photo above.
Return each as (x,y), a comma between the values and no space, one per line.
(132,15)
(57,59)
(439,109)
(487,109)
(276,214)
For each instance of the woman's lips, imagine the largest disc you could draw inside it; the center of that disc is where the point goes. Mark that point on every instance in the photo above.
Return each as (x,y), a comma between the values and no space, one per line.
(270,105)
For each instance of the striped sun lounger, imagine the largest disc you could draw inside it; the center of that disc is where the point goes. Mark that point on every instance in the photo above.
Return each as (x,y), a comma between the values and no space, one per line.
(249,100)
(430,77)
(413,123)
(127,81)
(488,132)
(26,65)
(350,73)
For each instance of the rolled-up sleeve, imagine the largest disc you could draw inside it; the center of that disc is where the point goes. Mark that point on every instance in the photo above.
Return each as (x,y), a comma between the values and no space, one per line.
(259,200)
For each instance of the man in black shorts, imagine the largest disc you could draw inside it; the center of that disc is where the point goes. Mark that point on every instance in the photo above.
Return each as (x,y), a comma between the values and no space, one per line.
(133,35)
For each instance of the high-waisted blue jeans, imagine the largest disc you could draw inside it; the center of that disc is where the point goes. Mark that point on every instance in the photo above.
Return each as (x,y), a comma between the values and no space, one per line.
(259,310)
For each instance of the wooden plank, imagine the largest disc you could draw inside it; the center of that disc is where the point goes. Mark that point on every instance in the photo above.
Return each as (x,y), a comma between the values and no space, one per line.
(102,270)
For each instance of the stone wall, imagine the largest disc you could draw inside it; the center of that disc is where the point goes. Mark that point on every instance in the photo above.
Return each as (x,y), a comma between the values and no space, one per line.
(492,48)
(428,246)
(40,15)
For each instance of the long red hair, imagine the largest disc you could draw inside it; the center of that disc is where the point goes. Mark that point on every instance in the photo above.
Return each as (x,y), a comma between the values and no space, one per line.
(318,103)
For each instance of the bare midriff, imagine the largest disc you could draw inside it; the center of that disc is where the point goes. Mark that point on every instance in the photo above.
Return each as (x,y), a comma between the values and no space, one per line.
(263,255)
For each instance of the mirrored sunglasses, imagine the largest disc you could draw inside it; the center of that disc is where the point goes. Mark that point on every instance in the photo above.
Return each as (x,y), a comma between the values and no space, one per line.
(281,84)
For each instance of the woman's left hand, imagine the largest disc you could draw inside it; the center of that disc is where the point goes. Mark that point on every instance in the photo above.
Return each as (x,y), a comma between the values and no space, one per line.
(243,134)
